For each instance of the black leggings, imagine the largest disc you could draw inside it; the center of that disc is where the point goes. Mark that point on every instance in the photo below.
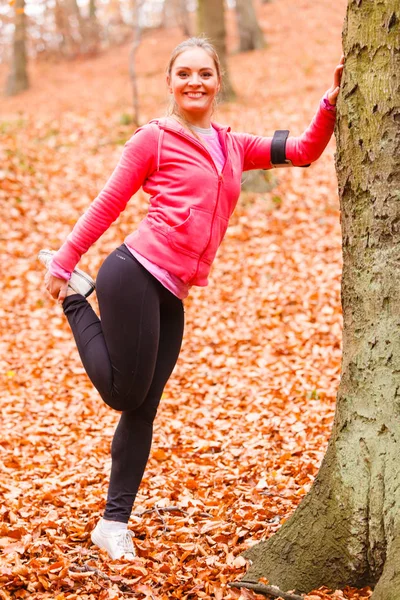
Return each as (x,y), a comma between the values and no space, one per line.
(129,356)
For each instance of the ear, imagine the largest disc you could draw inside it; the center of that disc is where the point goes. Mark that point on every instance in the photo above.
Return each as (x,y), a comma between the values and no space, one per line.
(168,80)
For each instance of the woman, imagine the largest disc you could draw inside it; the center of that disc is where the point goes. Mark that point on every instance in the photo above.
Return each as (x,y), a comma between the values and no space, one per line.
(191,169)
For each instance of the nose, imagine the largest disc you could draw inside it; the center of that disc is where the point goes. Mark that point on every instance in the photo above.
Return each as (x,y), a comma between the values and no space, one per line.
(194,79)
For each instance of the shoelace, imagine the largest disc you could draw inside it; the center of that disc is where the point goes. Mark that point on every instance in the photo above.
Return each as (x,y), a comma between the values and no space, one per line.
(124,542)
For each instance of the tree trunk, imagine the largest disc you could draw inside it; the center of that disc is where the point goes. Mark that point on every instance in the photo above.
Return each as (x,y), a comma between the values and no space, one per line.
(70,27)
(93,29)
(211,23)
(250,35)
(347,529)
(136,6)
(175,12)
(168,14)
(183,17)
(61,23)
(18,77)
(76,23)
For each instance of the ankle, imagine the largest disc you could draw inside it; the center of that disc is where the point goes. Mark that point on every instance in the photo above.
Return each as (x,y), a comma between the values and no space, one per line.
(108,526)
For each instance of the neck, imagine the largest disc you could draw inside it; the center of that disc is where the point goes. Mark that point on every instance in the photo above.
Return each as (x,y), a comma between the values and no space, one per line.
(203,121)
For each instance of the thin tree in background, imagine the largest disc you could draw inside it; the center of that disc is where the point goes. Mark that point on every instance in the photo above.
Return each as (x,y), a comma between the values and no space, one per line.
(93,27)
(346,531)
(18,78)
(251,36)
(211,23)
(61,23)
(183,17)
(76,26)
(175,12)
(70,27)
(136,6)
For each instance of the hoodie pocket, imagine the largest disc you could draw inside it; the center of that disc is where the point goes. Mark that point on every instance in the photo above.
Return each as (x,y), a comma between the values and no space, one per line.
(192,235)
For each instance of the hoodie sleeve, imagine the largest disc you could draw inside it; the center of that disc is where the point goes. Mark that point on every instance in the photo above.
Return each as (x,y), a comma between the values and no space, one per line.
(135,165)
(301,150)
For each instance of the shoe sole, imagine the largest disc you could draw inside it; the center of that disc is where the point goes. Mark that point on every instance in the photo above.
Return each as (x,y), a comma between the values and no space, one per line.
(44,254)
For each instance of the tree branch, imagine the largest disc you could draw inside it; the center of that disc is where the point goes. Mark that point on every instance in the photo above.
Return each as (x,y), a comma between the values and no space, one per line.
(126,588)
(267,590)
(158,509)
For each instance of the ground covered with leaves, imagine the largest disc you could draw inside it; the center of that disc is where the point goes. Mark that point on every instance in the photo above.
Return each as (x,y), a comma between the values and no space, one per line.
(246,416)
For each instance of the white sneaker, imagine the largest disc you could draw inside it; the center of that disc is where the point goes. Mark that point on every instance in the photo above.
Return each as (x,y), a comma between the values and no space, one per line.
(118,544)
(80,282)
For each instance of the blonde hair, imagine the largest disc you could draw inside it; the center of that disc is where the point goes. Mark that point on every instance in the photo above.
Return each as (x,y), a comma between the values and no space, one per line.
(193,42)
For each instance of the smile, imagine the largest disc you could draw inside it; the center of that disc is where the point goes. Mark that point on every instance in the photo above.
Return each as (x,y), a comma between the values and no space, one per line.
(194,94)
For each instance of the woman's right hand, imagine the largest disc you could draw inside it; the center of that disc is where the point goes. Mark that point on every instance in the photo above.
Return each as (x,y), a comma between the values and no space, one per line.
(56,287)
(333,91)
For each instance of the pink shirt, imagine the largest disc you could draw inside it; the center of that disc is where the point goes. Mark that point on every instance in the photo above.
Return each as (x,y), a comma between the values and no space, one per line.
(211,140)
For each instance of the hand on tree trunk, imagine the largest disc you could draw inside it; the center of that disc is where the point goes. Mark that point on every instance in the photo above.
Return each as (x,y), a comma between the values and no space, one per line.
(333,91)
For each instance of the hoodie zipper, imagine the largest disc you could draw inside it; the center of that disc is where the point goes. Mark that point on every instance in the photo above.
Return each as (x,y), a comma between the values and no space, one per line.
(203,148)
(220,180)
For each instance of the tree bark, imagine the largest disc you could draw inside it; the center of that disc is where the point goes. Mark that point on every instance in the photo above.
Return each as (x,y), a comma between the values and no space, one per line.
(136,6)
(250,35)
(347,529)
(168,18)
(18,78)
(70,27)
(183,17)
(175,12)
(93,29)
(76,23)
(211,23)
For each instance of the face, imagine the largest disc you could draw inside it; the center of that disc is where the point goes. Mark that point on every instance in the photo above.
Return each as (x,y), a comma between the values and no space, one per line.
(194,82)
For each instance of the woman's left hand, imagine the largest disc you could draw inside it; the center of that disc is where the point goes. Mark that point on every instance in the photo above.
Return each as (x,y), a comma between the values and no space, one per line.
(333,91)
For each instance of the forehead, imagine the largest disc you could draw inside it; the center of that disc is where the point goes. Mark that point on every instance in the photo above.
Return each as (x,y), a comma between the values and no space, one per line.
(194,58)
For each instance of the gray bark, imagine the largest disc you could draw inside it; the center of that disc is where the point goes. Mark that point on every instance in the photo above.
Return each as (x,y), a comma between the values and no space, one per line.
(137,38)
(211,23)
(70,27)
(183,17)
(250,35)
(92,10)
(175,12)
(93,28)
(168,18)
(18,78)
(347,529)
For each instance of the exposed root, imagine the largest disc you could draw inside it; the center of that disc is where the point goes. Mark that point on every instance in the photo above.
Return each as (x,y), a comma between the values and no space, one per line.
(268,590)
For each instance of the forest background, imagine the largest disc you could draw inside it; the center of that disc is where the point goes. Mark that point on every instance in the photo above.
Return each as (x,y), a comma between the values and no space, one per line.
(245,419)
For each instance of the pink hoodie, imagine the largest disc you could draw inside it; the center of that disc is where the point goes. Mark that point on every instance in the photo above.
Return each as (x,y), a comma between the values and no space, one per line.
(190,203)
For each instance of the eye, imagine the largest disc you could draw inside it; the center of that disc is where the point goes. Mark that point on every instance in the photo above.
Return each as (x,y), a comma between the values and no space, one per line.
(182,74)
(207,74)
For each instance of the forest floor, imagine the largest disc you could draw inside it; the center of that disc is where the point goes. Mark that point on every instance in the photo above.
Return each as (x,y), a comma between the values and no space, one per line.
(245,419)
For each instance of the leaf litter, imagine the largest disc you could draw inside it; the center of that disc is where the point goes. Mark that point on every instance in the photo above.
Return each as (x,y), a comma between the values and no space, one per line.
(244,421)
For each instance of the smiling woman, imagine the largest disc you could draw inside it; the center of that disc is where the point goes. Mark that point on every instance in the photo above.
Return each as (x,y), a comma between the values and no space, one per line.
(191,169)
(194,80)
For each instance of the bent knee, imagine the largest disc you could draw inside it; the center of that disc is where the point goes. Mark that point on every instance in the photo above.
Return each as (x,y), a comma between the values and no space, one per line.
(122,402)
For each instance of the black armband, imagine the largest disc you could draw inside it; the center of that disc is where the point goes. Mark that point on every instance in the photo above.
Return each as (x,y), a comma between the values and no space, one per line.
(278,149)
